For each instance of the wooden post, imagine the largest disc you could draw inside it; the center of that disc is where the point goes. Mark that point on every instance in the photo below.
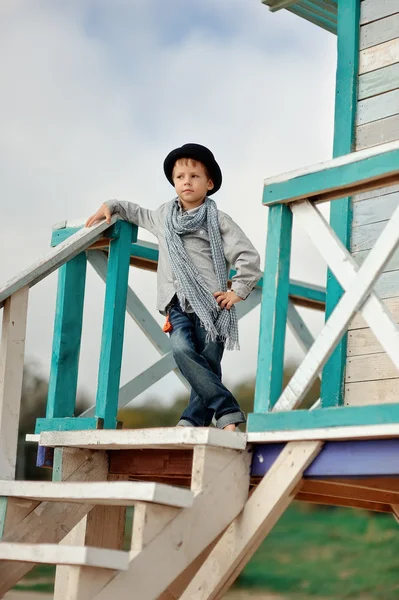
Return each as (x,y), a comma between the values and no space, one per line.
(12,352)
(269,378)
(67,337)
(261,512)
(113,326)
(341,210)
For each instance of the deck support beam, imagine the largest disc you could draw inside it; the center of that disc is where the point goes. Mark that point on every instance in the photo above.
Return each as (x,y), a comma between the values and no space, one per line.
(245,534)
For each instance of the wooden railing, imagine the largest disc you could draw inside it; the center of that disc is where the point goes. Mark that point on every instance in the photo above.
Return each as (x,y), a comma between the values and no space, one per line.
(109,249)
(14,299)
(297,194)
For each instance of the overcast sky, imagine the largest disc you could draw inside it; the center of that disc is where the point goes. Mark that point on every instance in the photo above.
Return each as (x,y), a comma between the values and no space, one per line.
(95,93)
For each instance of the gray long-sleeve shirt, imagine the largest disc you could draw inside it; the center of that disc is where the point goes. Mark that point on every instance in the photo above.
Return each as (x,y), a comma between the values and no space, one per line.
(238,250)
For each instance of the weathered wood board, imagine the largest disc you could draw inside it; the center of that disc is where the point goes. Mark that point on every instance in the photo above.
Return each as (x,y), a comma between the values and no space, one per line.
(378,107)
(379,31)
(372,10)
(372,211)
(370,376)
(383,391)
(377,132)
(378,82)
(379,56)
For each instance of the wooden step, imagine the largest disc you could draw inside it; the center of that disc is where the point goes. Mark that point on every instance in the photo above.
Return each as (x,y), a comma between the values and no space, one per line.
(157,437)
(55,554)
(119,493)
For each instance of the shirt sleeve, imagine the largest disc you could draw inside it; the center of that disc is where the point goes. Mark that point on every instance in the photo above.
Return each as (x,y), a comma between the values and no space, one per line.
(129,211)
(240,254)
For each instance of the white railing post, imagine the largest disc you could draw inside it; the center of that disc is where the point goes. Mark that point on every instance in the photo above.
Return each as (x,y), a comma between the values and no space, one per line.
(12,352)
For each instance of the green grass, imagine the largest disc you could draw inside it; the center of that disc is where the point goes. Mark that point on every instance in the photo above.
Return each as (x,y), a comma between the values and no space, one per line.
(329,553)
(312,552)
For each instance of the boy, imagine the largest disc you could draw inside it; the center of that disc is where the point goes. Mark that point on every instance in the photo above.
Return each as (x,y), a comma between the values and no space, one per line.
(197,245)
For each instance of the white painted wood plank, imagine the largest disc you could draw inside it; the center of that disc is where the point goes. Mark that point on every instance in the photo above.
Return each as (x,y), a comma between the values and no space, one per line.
(387,285)
(369,368)
(54,554)
(376,193)
(50,522)
(57,256)
(65,575)
(156,437)
(379,31)
(379,56)
(150,520)
(12,352)
(364,237)
(357,290)
(372,10)
(383,391)
(392,305)
(377,108)
(346,159)
(362,342)
(117,493)
(357,432)
(393,264)
(103,527)
(261,512)
(378,82)
(377,132)
(186,536)
(32,438)
(374,210)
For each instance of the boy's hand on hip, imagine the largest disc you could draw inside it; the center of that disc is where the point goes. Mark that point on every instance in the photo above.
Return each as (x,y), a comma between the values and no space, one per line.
(227,299)
(102,213)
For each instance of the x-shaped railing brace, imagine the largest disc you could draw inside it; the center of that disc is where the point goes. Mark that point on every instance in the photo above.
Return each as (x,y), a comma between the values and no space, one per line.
(358,283)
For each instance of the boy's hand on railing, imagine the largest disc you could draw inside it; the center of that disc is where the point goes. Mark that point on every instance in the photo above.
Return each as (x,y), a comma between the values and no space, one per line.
(102,213)
(227,299)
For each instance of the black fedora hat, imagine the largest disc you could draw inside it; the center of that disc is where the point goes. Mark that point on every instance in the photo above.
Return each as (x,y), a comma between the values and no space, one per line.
(195,152)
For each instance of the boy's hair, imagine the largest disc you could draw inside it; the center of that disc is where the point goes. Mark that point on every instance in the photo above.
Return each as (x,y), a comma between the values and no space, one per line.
(185,162)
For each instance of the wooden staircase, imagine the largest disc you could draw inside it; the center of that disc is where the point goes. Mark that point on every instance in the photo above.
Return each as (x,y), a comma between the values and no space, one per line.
(187,543)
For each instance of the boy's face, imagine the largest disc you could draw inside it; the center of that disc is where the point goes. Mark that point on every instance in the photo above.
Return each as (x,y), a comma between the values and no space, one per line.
(191,182)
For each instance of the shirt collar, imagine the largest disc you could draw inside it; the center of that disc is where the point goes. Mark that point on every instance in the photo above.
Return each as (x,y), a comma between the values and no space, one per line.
(191,211)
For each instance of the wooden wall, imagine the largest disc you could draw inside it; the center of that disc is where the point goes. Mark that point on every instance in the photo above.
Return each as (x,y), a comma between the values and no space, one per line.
(370,376)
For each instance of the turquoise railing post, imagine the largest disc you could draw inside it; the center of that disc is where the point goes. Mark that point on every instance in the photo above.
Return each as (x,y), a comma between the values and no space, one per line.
(67,338)
(274,307)
(332,384)
(114,324)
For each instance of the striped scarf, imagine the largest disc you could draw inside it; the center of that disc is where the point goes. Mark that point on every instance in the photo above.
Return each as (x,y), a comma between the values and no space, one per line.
(220,324)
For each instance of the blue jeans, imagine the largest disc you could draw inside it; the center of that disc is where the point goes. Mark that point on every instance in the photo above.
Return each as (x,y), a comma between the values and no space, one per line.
(199,361)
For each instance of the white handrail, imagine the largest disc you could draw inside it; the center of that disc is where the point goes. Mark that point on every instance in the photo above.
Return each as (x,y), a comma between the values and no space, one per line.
(56,257)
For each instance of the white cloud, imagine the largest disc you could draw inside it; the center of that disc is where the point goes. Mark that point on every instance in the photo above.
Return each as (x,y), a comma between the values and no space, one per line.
(95,95)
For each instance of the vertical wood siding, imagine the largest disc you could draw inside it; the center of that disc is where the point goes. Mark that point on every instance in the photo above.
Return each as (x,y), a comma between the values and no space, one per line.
(370,376)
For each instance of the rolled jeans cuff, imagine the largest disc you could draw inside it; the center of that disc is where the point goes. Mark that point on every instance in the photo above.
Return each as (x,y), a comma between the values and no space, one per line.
(234,418)
(184,423)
